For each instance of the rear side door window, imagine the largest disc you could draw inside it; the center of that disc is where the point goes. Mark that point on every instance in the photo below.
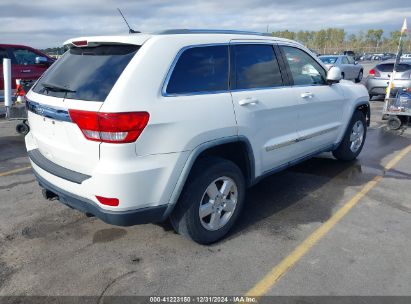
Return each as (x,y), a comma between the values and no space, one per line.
(254,66)
(202,69)
(345,60)
(304,69)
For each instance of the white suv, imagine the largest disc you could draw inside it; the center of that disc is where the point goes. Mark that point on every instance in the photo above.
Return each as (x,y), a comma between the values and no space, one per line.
(177,124)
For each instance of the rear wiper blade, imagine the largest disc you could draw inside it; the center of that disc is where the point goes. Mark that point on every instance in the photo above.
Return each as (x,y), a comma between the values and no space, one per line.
(56,88)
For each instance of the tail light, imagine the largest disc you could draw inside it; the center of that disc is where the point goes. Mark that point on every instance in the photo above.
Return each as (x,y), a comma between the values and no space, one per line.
(374,73)
(110,127)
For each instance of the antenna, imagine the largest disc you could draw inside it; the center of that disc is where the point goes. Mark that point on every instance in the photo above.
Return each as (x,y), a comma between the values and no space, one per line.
(130,30)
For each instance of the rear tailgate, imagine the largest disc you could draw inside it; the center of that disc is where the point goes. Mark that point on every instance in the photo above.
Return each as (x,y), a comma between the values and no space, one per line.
(80,80)
(56,137)
(385,70)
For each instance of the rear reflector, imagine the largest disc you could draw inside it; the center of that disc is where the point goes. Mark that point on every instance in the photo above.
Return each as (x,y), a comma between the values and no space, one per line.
(110,127)
(108,201)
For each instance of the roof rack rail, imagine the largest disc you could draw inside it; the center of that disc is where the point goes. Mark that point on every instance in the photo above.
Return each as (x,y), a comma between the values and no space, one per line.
(207,31)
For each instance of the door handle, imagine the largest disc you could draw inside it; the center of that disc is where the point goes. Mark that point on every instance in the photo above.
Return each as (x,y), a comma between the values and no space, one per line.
(307,95)
(248,101)
(26,71)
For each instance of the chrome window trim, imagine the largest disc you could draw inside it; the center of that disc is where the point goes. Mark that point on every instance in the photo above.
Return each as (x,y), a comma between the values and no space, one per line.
(177,57)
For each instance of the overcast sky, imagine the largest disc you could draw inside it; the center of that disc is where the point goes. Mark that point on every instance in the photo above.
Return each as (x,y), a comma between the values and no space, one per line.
(48,23)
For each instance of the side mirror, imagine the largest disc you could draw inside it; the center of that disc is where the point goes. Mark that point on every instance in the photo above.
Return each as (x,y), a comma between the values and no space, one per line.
(41,60)
(355,62)
(334,75)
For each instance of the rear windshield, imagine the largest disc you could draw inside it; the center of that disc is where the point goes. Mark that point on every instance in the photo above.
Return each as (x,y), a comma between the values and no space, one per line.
(86,73)
(328,60)
(389,67)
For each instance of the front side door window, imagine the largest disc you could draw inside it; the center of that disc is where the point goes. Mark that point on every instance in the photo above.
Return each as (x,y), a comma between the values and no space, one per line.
(303,68)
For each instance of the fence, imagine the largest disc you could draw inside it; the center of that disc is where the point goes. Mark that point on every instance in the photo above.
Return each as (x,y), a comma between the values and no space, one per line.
(362,50)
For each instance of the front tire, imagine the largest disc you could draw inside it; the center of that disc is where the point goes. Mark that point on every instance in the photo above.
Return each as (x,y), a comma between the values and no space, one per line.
(354,138)
(211,201)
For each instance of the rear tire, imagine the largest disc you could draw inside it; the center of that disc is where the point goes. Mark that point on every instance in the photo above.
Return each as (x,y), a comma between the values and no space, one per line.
(354,138)
(211,201)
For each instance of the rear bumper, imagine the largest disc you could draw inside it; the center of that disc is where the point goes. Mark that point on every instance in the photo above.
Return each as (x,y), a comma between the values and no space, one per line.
(376,86)
(118,218)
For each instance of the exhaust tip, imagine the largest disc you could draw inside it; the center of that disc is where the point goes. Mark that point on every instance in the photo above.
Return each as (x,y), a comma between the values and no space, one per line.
(48,195)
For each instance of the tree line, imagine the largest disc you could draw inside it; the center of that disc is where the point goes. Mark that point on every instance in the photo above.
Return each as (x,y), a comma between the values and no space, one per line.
(335,40)
(330,41)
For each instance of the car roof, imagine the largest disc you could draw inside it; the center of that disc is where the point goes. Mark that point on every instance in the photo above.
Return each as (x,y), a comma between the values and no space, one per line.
(402,60)
(206,34)
(15,46)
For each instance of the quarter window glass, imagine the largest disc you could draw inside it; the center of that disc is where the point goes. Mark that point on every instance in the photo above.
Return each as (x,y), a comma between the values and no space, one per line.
(305,70)
(24,57)
(350,60)
(255,67)
(345,60)
(200,69)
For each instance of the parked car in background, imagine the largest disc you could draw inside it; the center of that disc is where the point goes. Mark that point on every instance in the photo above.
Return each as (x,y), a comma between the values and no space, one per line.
(406,56)
(379,76)
(211,113)
(349,53)
(350,69)
(377,56)
(27,64)
(387,56)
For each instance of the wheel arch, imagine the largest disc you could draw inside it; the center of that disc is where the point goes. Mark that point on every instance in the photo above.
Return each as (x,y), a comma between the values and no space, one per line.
(224,148)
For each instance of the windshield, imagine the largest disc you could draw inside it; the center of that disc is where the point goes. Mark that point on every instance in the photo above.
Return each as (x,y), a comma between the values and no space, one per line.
(329,60)
(86,73)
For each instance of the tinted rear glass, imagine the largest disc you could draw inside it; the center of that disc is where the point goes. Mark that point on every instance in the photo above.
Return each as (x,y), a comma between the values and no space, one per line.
(389,67)
(86,73)
(328,60)
(255,67)
(200,69)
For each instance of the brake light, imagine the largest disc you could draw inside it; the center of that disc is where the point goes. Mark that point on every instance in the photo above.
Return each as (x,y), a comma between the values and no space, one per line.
(114,202)
(374,73)
(80,43)
(110,127)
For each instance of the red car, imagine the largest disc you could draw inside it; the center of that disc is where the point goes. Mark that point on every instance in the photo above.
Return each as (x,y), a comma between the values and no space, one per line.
(26,63)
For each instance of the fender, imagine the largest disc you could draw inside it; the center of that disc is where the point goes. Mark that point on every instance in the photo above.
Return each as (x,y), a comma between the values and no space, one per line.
(194,156)
(361,101)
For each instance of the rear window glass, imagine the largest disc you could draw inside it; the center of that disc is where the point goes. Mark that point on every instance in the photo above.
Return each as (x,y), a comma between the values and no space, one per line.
(389,67)
(86,73)
(200,69)
(329,60)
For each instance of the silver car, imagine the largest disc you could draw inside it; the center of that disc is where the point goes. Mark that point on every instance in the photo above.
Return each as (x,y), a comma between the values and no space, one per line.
(379,76)
(350,69)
